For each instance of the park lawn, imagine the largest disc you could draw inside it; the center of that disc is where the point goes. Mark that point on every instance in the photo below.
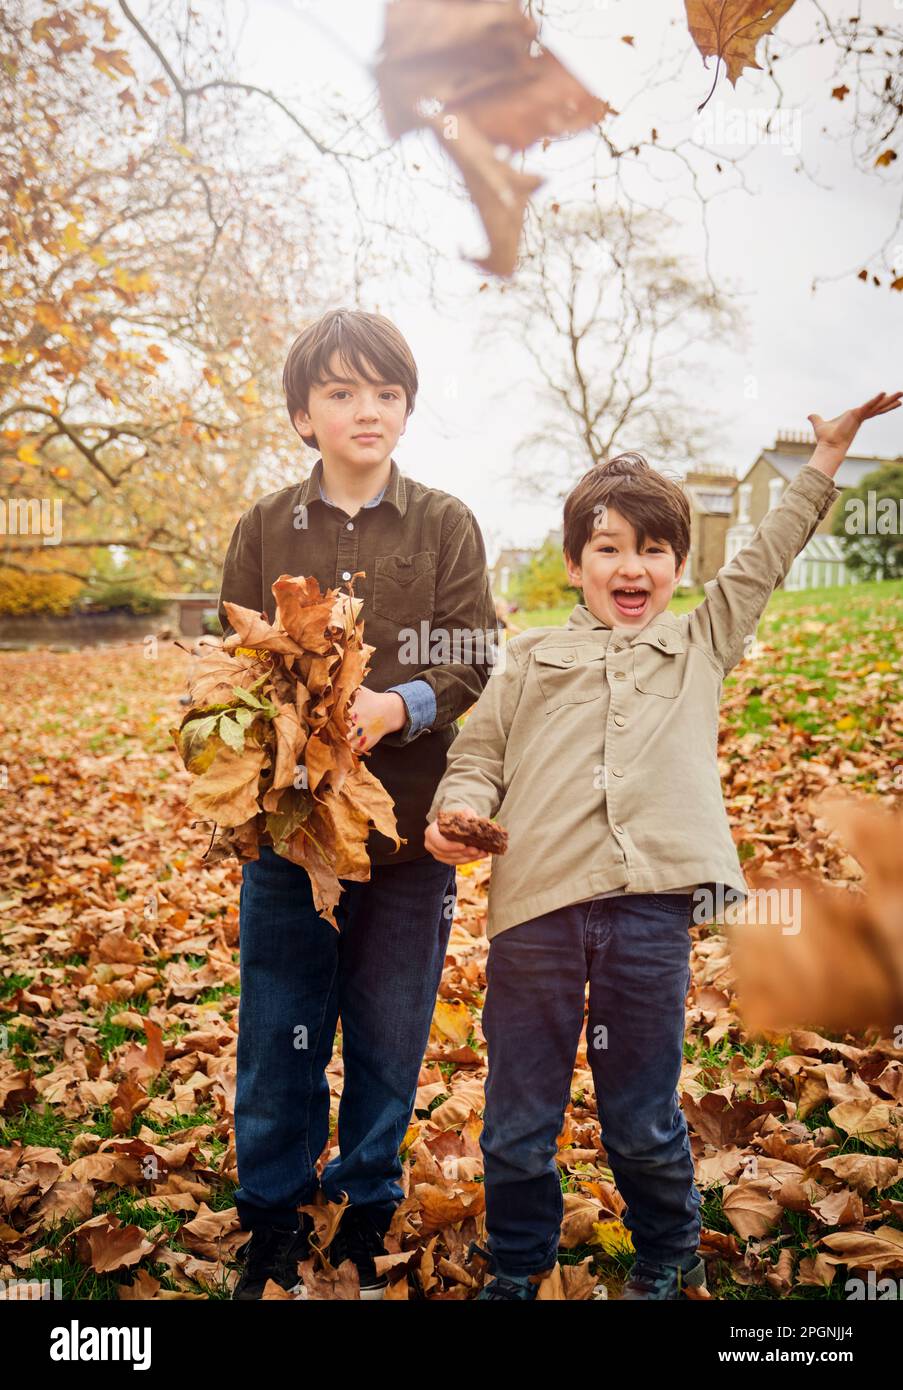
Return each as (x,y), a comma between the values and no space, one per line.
(102,830)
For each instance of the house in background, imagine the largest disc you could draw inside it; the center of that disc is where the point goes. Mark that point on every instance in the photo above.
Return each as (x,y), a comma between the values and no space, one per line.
(505,568)
(710,492)
(821,562)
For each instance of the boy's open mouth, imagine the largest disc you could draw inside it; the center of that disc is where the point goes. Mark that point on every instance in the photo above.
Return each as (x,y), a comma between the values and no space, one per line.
(630,601)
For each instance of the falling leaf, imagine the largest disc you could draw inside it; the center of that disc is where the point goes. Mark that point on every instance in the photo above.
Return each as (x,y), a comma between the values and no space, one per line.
(843,965)
(470,71)
(729,30)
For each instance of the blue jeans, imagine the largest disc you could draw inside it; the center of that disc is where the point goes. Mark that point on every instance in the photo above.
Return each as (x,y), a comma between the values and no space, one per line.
(634,949)
(380,973)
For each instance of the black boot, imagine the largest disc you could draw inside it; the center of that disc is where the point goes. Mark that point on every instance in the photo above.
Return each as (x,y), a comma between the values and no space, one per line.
(272,1252)
(359,1239)
(511,1287)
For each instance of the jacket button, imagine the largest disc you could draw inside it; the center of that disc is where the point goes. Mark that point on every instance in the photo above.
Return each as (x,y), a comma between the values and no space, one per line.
(663,641)
(346,574)
(619,719)
(618,772)
(567,658)
(618,829)
(618,675)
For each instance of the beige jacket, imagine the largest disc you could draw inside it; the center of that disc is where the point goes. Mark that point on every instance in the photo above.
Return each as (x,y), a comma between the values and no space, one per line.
(596,747)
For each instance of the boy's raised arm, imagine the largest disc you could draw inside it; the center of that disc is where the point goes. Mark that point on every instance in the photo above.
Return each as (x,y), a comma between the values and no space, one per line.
(240,581)
(474,770)
(735,599)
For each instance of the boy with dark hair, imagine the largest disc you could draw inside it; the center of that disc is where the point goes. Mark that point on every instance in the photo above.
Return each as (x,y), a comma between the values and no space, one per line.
(350,382)
(596,744)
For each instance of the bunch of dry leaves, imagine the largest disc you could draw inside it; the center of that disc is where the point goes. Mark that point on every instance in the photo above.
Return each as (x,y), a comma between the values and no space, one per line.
(267,738)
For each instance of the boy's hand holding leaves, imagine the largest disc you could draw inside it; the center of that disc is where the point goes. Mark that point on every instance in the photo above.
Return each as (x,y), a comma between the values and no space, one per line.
(446,837)
(373,715)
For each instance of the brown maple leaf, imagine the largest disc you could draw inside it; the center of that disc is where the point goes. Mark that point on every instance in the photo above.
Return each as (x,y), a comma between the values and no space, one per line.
(470,71)
(729,30)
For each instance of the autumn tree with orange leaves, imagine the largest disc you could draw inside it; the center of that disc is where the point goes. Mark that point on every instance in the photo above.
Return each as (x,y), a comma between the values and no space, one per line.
(149,289)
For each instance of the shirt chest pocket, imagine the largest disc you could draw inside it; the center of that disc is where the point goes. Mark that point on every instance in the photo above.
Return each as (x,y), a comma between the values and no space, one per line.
(658,664)
(404,587)
(568,676)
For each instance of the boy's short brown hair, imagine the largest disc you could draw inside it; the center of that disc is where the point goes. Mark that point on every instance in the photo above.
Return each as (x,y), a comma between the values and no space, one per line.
(366,343)
(655,505)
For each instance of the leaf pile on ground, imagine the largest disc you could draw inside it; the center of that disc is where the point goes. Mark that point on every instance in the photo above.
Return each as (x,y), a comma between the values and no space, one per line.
(119,991)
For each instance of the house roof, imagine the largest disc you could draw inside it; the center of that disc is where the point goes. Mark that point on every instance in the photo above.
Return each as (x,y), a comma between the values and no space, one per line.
(512,556)
(713,501)
(849,474)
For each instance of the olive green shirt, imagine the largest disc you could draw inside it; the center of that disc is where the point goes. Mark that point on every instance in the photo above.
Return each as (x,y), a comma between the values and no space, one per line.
(597,747)
(426,600)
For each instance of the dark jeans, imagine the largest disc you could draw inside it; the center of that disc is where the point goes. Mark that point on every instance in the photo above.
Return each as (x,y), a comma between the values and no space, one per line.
(380,973)
(634,949)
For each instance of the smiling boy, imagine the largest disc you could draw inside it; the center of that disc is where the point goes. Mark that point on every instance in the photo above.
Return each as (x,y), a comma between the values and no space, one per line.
(350,382)
(596,745)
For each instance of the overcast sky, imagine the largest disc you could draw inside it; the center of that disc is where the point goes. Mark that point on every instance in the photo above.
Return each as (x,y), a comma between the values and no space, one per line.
(821,351)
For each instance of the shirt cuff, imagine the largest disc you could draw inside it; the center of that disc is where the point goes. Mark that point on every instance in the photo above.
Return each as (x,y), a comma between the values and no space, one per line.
(420,700)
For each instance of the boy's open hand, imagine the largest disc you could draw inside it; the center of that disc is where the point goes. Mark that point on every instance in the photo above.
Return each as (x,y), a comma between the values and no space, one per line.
(838,434)
(373,715)
(451,851)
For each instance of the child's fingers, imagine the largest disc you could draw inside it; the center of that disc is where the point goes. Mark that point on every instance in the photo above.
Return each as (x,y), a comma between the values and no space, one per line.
(469,853)
(451,851)
(881,403)
(453,858)
(449,847)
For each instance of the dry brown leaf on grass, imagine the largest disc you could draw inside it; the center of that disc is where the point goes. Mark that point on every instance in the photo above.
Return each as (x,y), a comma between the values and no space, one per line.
(106,1244)
(266,737)
(880,1250)
(729,30)
(747,1114)
(843,969)
(469,70)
